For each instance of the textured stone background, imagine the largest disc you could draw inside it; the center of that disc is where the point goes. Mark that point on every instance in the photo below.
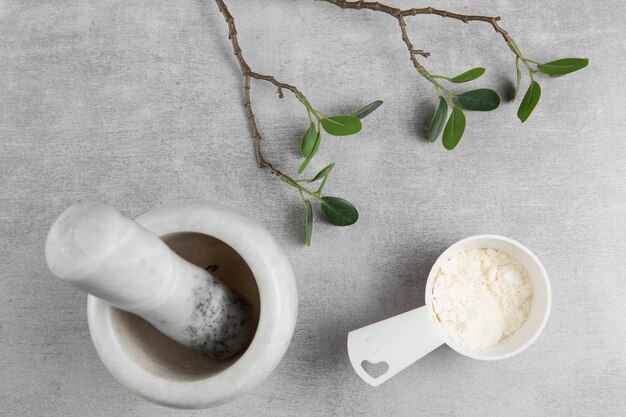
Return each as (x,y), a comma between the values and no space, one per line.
(138,103)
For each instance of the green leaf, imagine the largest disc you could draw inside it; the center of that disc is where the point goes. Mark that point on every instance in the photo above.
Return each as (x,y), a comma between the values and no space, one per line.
(316,146)
(563,66)
(468,75)
(365,111)
(439,120)
(308,223)
(519,78)
(530,100)
(483,99)
(308,140)
(454,129)
(338,211)
(342,125)
(324,172)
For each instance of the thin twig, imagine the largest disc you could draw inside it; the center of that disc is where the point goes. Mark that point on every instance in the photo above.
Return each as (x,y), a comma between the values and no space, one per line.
(247,73)
(400,13)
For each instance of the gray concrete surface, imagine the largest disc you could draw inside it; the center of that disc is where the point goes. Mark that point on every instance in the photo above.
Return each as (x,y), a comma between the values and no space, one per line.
(138,103)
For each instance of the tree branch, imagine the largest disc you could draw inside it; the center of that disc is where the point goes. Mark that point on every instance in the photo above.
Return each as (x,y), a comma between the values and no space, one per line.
(481,99)
(397,13)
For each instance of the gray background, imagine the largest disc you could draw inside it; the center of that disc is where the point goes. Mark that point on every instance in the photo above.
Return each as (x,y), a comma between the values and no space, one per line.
(138,103)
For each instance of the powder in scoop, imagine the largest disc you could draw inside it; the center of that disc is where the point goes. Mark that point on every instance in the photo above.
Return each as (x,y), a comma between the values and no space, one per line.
(481,296)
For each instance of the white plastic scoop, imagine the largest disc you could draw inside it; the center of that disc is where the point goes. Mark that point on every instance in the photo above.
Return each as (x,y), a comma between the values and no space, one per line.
(401,340)
(97,249)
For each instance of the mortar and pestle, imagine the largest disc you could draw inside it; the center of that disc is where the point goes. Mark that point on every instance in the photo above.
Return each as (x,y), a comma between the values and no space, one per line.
(190,305)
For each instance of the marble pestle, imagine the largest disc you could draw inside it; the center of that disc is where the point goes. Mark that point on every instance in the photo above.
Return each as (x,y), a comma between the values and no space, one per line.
(97,249)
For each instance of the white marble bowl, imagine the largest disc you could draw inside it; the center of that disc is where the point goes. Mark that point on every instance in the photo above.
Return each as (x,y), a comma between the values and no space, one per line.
(246,257)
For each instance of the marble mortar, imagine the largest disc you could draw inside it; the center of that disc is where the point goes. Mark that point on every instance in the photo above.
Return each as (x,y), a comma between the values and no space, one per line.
(242,255)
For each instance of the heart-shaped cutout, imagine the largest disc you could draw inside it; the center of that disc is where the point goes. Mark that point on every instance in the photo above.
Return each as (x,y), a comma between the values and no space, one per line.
(375,369)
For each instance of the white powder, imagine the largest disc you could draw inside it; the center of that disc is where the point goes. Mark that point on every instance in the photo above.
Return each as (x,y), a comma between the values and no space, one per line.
(481,296)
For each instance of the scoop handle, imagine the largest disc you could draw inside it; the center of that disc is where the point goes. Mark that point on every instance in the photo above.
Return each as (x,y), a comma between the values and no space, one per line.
(399,341)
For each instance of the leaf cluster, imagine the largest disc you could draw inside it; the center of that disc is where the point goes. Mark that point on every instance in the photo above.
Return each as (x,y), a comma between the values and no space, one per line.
(334,210)
(556,68)
(452,127)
